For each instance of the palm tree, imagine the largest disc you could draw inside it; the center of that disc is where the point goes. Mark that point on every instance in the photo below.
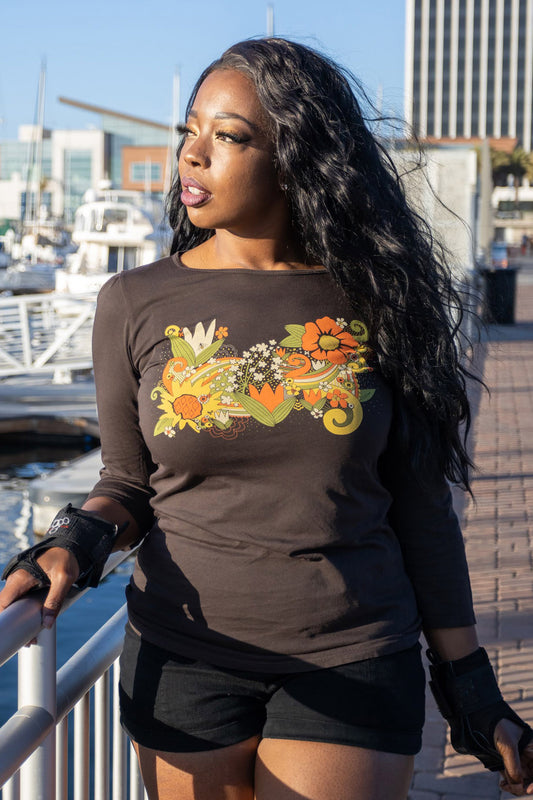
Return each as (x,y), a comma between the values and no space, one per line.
(517,163)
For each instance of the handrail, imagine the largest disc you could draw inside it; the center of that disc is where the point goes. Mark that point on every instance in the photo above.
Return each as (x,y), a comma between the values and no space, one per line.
(28,759)
(23,732)
(29,726)
(45,333)
(21,621)
(82,670)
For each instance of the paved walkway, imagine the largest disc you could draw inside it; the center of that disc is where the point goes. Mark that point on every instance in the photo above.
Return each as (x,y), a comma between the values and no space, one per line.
(498,530)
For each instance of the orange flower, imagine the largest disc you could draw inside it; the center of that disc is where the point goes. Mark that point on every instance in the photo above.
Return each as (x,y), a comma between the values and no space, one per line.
(280,351)
(222,332)
(188,406)
(327,341)
(312,395)
(268,397)
(337,398)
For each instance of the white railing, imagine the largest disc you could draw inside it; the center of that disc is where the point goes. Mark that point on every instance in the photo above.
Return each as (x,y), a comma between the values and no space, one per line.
(34,749)
(45,333)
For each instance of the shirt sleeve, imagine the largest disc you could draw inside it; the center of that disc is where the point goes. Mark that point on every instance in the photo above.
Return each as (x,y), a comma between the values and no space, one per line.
(125,476)
(430,537)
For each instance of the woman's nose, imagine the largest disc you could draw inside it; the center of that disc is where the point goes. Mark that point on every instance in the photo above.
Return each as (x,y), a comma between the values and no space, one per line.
(195,153)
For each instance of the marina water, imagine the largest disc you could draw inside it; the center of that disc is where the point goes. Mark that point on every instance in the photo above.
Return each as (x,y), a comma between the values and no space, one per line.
(18,466)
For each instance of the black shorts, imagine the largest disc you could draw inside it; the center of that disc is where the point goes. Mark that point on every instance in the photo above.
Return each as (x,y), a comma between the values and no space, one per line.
(177,704)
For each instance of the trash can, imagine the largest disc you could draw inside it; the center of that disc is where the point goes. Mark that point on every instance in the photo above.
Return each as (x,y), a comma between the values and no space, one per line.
(499,295)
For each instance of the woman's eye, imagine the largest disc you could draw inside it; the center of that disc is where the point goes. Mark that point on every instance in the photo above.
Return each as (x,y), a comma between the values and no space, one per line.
(226,136)
(184,131)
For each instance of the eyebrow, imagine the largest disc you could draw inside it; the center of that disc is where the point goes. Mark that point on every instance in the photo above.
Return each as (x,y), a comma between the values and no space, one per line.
(227,115)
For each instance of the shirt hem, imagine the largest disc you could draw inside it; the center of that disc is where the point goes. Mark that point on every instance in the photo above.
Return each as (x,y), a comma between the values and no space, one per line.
(273,662)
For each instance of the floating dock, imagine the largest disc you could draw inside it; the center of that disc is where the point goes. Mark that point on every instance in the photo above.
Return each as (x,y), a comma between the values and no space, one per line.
(37,405)
(64,485)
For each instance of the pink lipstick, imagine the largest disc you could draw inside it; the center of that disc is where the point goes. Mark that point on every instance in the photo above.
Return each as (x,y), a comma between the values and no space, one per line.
(193,194)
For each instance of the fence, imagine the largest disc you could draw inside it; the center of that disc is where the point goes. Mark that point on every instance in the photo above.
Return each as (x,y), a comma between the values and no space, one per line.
(34,750)
(45,333)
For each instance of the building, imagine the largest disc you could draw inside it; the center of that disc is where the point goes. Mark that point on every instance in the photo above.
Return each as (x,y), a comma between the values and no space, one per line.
(47,172)
(469,69)
(145,168)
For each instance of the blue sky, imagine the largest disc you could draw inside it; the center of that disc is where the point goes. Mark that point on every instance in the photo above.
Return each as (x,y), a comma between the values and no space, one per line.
(122,55)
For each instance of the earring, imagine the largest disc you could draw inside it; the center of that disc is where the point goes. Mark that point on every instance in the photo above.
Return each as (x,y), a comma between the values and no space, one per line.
(283,187)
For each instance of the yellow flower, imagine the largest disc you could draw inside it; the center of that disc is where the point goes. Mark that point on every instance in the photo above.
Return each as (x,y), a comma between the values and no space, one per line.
(189,404)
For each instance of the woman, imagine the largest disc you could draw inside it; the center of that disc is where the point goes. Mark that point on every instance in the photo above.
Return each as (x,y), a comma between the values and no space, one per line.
(279,405)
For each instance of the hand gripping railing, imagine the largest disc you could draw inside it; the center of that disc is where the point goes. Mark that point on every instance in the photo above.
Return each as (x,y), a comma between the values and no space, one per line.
(34,741)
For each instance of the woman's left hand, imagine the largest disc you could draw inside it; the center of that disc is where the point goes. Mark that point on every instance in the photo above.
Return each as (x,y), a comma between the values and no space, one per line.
(517,778)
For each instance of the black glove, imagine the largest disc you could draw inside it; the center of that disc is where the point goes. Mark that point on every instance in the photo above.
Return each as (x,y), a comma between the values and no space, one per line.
(469,698)
(88,537)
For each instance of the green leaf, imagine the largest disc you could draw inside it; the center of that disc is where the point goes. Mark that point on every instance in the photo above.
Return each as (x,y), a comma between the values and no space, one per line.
(296,330)
(306,404)
(182,349)
(163,422)
(291,341)
(255,408)
(319,405)
(295,338)
(284,409)
(366,394)
(208,352)
(222,425)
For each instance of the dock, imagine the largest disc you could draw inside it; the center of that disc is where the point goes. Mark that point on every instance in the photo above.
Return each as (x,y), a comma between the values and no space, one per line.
(40,405)
(70,484)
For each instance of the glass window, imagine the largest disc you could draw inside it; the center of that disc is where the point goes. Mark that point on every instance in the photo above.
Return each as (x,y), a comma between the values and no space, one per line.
(21,158)
(78,178)
(140,171)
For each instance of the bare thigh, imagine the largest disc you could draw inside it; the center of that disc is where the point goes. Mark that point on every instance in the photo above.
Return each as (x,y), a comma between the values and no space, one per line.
(297,770)
(226,773)
(279,769)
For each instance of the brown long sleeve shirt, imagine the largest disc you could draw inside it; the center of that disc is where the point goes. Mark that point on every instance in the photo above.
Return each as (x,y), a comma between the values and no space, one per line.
(243,423)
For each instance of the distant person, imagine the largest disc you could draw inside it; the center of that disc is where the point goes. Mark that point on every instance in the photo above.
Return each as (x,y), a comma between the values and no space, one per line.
(279,405)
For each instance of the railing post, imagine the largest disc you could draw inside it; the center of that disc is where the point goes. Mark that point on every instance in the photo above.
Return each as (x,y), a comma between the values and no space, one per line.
(101,737)
(11,789)
(62,760)
(120,751)
(37,687)
(81,748)
(25,333)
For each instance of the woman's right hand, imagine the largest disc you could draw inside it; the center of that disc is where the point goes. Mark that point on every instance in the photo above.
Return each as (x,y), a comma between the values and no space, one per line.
(62,569)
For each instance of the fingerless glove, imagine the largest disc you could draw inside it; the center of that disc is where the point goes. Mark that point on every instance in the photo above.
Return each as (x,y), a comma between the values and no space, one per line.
(469,698)
(88,537)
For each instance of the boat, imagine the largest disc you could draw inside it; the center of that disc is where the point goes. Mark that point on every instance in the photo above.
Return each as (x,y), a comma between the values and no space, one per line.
(70,484)
(114,230)
(32,254)
(24,278)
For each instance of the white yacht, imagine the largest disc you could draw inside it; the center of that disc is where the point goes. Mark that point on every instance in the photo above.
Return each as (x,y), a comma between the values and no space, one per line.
(115,230)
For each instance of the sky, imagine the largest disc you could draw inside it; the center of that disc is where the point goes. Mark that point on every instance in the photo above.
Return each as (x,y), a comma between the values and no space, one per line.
(123,55)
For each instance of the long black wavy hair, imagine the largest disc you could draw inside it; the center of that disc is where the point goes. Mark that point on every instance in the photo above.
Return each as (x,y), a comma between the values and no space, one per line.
(350,214)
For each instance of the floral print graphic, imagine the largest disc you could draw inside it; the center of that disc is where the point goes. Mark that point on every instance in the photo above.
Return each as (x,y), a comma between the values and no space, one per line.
(326,341)
(205,386)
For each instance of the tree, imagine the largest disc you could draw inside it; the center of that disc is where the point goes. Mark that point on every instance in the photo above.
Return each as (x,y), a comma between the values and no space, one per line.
(517,163)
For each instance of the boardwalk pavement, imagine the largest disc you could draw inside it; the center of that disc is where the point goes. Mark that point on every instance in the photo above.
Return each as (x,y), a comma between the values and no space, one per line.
(498,530)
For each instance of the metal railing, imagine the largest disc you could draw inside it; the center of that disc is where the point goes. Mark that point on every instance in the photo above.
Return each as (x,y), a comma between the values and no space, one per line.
(34,742)
(45,333)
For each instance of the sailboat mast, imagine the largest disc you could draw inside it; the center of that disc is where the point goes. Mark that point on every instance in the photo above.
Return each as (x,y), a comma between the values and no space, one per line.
(176,88)
(270,20)
(40,129)
(35,154)
(173,138)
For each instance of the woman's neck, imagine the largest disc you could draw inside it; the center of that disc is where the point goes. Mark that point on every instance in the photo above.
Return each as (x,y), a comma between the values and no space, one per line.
(227,251)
